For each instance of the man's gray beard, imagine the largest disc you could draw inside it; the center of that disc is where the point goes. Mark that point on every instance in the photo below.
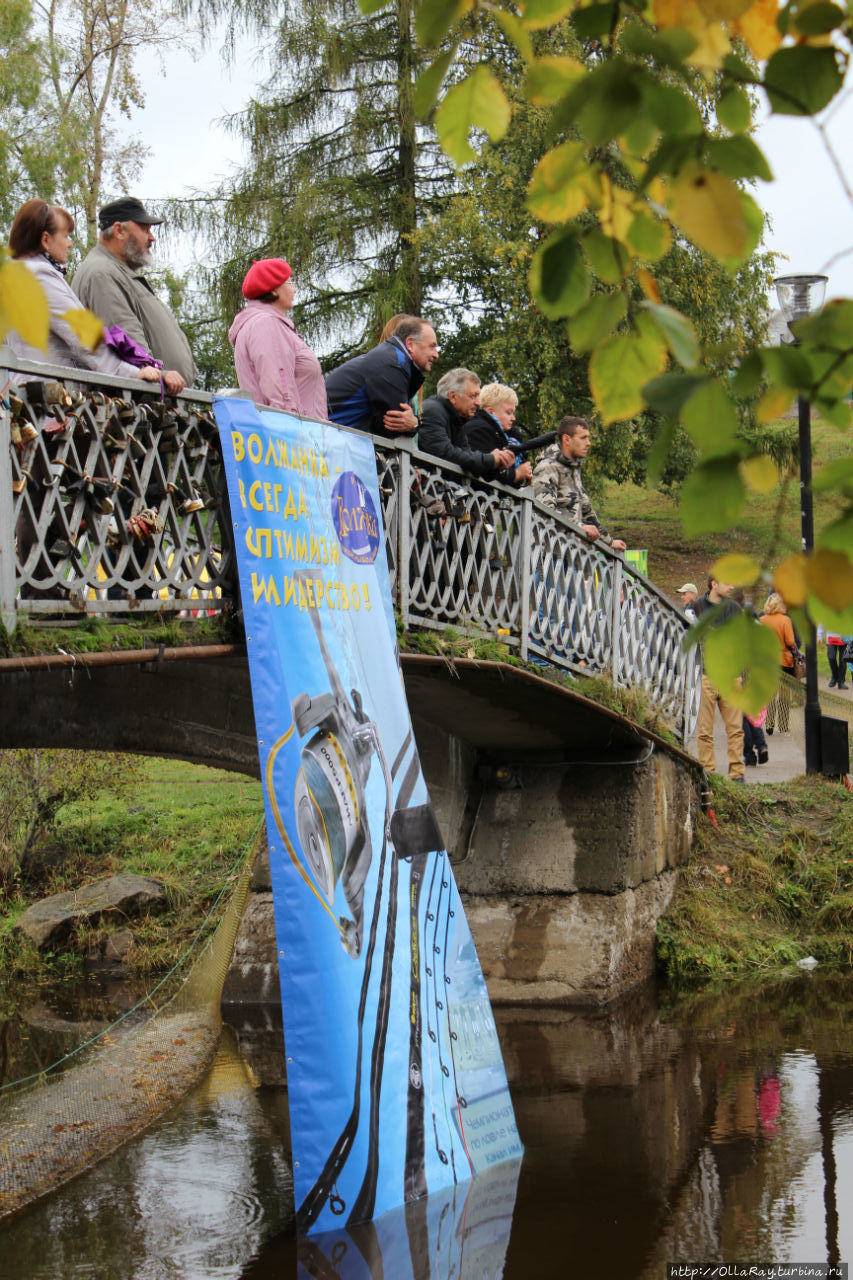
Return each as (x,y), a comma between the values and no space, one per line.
(136,258)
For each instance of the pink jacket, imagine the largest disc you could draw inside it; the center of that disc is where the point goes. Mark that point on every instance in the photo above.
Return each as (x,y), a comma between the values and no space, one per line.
(275,364)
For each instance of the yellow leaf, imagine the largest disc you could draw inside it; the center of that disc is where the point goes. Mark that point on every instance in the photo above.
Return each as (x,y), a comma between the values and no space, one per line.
(760,473)
(562,185)
(23,305)
(88,327)
(757,28)
(735,569)
(707,207)
(791,580)
(649,285)
(616,213)
(830,576)
(723,10)
(773,403)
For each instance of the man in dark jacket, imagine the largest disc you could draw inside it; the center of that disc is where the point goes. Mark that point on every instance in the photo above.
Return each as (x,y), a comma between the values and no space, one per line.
(443,421)
(372,392)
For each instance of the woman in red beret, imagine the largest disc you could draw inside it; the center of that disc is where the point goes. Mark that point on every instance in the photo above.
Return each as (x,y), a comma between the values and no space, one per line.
(271,359)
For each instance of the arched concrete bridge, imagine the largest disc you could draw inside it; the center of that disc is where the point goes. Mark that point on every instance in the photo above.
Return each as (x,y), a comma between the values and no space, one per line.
(566,821)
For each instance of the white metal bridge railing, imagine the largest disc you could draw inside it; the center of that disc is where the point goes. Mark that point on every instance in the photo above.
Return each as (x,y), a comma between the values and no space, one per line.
(114,501)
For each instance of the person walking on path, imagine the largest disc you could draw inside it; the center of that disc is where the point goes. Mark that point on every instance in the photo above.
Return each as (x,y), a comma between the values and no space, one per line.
(776,618)
(717,597)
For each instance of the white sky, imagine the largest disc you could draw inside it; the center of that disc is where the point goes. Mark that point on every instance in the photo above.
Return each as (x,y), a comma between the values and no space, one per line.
(812,216)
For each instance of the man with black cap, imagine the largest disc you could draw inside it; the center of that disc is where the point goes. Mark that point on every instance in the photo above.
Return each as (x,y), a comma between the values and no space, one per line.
(110,283)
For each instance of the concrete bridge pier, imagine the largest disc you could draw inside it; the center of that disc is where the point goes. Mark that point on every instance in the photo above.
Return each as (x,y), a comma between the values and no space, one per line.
(564,822)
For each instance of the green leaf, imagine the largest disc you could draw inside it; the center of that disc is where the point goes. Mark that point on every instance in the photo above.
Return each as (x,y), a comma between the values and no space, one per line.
(748,375)
(435,18)
(595,20)
(649,237)
(620,367)
(832,326)
(659,452)
(611,101)
(669,393)
(549,78)
(372,6)
(558,277)
(738,157)
(788,366)
(670,47)
(677,330)
(837,474)
(544,13)
(838,536)
(818,19)
(709,417)
(562,183)
(477,102)
(734,110)
(839,413)
(429,82)
(831,620)
(608,259)
(742,662)
(739,70)
(712,496)
(598,318)
(515,31)
(802,80)
(671,110)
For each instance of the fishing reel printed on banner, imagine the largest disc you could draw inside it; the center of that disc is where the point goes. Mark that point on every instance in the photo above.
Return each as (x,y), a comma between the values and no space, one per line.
(330,796)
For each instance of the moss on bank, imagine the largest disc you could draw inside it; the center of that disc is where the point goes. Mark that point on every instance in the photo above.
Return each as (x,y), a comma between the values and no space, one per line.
(771,884)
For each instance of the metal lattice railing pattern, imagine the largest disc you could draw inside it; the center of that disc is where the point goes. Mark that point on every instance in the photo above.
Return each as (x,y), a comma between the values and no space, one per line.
(479,556)
(115,500)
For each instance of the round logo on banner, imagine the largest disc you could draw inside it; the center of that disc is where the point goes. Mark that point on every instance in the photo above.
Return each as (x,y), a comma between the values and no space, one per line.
(355,519)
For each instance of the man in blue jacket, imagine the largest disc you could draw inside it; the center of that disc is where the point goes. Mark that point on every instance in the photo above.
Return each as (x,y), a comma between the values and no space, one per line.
(372,392)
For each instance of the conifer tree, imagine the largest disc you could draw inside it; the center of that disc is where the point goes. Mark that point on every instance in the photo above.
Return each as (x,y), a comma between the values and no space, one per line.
(339,177)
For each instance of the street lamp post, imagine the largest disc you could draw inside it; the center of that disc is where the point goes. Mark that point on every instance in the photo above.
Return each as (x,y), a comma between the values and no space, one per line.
(798,297)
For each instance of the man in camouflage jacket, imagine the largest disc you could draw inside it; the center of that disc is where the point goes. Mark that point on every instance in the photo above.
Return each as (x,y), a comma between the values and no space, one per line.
(557,481)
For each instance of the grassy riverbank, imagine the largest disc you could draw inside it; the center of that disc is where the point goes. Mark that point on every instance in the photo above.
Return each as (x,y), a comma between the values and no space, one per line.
(182,824)
(770,884)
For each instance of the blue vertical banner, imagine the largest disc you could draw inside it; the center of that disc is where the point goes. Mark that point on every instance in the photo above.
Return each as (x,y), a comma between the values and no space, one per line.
(396,1082)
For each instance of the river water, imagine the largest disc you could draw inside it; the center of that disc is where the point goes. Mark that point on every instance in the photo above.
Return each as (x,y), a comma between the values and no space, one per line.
(710,1128)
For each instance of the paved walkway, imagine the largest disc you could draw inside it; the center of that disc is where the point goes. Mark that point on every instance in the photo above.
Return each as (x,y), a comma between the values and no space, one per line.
(787,752)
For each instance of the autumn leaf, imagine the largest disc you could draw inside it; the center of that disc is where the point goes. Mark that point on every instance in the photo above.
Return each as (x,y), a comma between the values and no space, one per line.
(23,305)
(791,580)
(760,473)
(88,328)
(830,577)
(735,569)
(707,207)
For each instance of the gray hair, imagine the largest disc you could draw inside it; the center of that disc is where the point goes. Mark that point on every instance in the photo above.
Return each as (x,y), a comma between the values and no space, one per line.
(455,380)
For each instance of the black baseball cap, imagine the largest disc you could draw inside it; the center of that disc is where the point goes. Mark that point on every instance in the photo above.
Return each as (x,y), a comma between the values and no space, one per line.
(127,210)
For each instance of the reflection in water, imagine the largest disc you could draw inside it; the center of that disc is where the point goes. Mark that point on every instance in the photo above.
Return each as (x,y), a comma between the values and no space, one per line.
(717,1128)
(461,1232)
(193,1197)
